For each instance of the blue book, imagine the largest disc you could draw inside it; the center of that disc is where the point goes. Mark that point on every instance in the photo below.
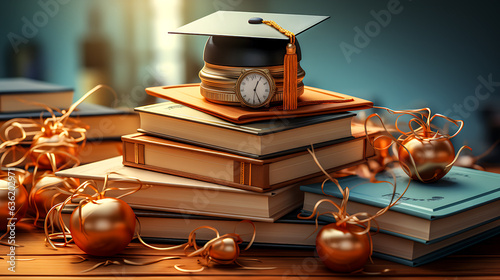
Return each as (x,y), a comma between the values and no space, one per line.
(463,199)
(17,93)
(419,254)
(103,122)
(412,251)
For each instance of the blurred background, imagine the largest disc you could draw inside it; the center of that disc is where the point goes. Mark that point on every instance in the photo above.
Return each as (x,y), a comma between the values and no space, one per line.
(400,54)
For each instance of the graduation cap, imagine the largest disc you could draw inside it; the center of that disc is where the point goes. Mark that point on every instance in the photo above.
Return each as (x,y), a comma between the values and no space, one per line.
(251,58)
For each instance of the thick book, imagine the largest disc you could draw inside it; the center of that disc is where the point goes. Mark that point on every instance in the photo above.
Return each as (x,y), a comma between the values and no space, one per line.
(176,158)
(21,94)
(289,231)
(313,101)
(164,192)
(257,139)
(103,122)
(464,198)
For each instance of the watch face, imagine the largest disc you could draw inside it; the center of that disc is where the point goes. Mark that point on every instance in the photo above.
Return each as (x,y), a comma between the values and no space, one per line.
(255,88)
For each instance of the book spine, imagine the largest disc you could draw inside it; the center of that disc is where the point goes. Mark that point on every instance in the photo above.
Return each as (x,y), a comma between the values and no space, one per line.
(252,175)
(368,150)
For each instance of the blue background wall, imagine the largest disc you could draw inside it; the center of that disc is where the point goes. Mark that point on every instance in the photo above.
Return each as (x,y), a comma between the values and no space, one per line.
(430,53)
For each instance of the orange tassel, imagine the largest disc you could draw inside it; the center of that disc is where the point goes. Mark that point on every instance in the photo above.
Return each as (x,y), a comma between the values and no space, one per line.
(290,78)
(290,65)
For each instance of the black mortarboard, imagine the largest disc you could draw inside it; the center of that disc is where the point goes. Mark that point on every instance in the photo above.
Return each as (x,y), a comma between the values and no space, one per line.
(250,40)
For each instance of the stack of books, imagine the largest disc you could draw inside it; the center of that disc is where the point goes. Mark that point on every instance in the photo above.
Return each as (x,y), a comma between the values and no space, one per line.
(21,98)
(259,156)
(198,169)
(201,168)
(251,171)
(431,220)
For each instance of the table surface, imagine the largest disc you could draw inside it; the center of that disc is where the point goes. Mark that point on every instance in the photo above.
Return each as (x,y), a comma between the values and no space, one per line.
(36,261)
(482,261)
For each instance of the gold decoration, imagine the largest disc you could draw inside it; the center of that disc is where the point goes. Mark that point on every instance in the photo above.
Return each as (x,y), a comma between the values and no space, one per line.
(103,226)
(345,245)
(343,248)
(222,249)
(54,142)
(13,200)
(99,225)
(49,190)
(425,153)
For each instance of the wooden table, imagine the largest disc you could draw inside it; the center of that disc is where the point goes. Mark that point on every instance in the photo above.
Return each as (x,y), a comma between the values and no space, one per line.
(36,261)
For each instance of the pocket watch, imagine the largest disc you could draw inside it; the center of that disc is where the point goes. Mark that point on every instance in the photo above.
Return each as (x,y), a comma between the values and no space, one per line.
(255,88)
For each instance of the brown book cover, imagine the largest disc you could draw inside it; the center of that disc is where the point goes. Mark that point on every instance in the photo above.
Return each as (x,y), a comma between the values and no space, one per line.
(313,101)
(181,159)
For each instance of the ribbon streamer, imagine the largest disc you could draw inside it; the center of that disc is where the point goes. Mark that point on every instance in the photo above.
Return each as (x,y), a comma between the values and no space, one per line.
(213,249)
(119,262)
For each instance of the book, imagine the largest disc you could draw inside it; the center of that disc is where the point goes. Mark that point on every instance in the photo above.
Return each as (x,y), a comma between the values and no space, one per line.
(19,94)
(312,102)
(290,231)
(261,139)
(164,192)
(171,157)
(462,199)
(103,122)
(415,254)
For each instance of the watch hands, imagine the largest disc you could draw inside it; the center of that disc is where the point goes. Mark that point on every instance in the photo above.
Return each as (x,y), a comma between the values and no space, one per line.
(257,84)
(255,91)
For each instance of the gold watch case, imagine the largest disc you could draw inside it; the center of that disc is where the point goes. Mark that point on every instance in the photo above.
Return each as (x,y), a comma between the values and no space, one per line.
(263,86)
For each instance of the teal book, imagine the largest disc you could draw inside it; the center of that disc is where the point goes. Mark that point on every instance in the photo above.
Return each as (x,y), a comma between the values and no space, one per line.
(463,199)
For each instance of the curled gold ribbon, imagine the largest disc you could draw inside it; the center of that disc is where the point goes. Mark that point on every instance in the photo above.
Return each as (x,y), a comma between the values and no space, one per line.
(70,132)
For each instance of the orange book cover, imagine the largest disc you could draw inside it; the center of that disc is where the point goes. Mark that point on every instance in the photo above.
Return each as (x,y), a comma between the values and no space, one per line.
(313,101)
(220,167)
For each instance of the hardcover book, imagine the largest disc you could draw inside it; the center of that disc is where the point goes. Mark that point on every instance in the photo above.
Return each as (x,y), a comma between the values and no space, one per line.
(258,139)
(103,122)
(464,198)
(312,102)
(157,154)
(290,231)
(164,192)
(20,94)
